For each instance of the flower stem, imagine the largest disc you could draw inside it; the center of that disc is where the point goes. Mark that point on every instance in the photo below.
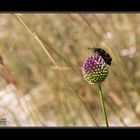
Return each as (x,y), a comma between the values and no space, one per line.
(103,105)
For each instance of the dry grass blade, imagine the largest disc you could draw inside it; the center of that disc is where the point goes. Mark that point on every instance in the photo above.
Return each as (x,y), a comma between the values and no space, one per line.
(5,72)
(37,39)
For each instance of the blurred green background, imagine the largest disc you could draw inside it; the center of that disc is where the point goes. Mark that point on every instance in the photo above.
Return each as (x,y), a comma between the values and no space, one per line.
(47,96)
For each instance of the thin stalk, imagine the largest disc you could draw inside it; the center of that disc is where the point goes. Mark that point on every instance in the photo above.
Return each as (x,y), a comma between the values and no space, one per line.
(35,36)
(103,105)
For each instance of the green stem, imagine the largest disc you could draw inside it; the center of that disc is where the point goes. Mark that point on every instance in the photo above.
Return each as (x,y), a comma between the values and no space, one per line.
(103,105)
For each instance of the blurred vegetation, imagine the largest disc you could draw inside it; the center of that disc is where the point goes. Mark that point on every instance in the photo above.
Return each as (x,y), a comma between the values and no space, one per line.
(59,95)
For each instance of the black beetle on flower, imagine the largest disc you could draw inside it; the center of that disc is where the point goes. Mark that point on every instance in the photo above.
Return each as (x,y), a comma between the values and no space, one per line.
(107,58)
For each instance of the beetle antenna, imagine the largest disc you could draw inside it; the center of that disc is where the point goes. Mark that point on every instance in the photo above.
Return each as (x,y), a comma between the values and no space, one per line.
(90,48)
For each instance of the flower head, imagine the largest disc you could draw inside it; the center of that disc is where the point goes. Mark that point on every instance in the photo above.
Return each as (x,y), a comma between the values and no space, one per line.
(95,69)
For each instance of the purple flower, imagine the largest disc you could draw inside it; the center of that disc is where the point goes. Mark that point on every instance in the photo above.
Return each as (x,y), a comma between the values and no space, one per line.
(95,70)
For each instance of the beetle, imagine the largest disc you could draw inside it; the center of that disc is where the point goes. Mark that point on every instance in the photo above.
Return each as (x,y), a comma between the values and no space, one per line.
(107,58)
